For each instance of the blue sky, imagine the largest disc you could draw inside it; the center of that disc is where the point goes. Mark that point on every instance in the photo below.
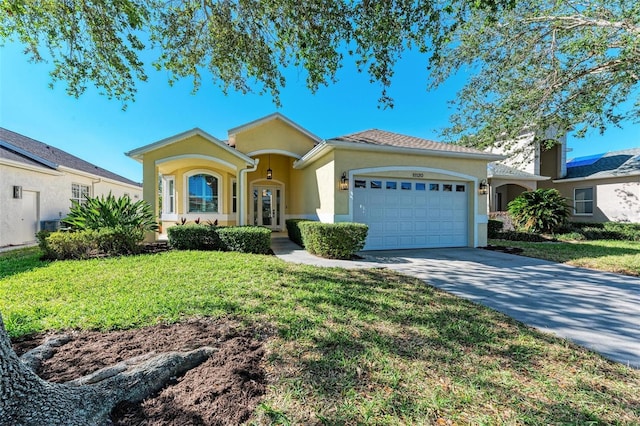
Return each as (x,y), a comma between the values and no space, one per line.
(99,131)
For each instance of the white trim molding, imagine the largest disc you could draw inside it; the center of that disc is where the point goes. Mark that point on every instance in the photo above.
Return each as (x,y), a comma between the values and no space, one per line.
(274,151)
(197,156)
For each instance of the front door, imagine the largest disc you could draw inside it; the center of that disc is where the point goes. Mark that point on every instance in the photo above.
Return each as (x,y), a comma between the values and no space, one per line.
(267,207)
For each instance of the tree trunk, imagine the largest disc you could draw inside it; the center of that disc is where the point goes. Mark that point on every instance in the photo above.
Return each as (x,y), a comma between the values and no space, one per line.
(26,399)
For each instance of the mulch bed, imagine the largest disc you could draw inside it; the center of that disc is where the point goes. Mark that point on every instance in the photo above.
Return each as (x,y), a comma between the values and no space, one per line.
(224,390)
(509,250)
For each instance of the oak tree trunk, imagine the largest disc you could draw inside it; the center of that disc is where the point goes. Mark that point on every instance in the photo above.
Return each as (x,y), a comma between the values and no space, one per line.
(26,399)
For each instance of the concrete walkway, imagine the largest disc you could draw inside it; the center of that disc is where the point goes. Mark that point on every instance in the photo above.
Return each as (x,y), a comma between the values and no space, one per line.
(598,310)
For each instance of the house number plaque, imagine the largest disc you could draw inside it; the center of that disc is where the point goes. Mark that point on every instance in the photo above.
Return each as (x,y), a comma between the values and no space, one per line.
(418,175)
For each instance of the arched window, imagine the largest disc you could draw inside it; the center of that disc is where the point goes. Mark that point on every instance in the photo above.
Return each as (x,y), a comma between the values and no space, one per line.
(203,193)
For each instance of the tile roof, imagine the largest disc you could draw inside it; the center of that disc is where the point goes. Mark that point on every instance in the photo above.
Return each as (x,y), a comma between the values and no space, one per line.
(611,164)
(499,170)
(51,154)
(382,137)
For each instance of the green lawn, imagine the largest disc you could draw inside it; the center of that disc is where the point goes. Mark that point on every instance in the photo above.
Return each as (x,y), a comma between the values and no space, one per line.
(613,256)
(351,347)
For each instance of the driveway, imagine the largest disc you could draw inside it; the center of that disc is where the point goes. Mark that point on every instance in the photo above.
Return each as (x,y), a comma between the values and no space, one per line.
(598,310)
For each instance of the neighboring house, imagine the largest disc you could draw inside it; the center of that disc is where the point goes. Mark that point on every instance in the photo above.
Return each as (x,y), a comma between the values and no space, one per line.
(38,183)
(600,188)
(410,191)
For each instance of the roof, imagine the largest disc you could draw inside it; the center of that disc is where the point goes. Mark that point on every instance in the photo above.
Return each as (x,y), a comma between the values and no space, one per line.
(138,153)
(609,165)
(502,171)
(384,138)
(20,148)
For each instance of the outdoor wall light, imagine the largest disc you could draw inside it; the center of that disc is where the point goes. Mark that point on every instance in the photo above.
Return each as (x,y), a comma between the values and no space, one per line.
(483,187)
(17,192)
(344,181)
(269,171)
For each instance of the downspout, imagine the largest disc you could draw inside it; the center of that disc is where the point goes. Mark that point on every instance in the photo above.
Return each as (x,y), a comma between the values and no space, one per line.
(242,207)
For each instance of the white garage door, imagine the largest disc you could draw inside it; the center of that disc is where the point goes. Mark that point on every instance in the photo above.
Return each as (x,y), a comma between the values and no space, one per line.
(404,213)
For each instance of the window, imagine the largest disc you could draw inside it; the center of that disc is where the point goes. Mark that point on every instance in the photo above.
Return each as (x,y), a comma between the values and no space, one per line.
(434,187)
(392,185)
(421,186)
(79,193)
(203,193)
(460,188)
(583,201)
(234,197)
(360,183)
(446,187)
(405,186)
(376,184)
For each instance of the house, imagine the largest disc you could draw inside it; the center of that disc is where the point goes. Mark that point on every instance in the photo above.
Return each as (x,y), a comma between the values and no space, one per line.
(600,188)
(39,183)
(411,192)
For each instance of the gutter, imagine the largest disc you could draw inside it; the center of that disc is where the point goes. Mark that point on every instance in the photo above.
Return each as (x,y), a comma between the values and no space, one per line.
(242,176)
(592,177)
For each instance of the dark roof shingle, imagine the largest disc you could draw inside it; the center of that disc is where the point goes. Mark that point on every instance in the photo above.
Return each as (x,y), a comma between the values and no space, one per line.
(51,154)
(611,164)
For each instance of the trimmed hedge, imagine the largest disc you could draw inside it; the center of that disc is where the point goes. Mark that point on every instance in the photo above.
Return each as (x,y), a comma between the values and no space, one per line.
(293,230)
(194,237)
(85,244)
(494,227)
(333,240)
(605,231)
(246,239)
(521,236)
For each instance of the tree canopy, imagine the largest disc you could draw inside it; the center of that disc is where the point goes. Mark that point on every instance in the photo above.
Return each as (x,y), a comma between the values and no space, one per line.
(530,64)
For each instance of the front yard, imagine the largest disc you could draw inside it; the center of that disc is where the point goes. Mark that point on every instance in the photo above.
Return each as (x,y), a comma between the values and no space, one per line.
(614,256)
(347,347)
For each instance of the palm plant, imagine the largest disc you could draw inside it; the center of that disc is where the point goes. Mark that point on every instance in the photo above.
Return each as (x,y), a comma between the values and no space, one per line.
(540,211)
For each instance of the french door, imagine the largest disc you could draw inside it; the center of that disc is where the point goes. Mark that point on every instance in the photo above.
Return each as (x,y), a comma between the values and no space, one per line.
(267,206)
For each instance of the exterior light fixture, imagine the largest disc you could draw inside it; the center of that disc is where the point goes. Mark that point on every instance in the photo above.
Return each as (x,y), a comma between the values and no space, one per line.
(269,171)
(483,187)
(344,181)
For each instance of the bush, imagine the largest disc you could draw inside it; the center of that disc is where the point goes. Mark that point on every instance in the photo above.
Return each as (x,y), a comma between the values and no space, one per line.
(521,236)
(543,210)
(294,230)
(246,239)
(194,237)
(68,245)
(606,230)
(333,240)
(494,227)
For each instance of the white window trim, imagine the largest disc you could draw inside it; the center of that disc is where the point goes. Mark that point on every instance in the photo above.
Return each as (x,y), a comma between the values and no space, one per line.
(185,201)
(165,198)
(80,185)
(593,201)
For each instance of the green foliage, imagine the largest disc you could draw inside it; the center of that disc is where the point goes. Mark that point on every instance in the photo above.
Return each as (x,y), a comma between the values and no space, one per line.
(494,227)
(62,245)
(114,213)
(543,210)
(246,239)
(293,230)
(333,240)
(194,237)
(540,65)
(520,236)
(602,231)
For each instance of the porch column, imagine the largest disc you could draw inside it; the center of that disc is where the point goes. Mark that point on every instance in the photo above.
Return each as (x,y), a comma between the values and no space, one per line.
(243,192)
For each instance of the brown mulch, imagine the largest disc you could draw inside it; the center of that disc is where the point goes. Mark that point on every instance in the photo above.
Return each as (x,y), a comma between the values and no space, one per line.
(224,390)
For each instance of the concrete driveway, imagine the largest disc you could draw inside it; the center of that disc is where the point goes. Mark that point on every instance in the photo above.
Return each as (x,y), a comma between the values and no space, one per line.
(598,310)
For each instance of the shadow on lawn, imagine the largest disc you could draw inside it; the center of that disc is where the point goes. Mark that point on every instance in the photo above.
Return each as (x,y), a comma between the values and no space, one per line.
(20,260)
(392,346)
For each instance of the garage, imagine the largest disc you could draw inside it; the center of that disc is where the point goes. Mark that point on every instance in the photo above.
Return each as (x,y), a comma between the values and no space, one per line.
(406,213)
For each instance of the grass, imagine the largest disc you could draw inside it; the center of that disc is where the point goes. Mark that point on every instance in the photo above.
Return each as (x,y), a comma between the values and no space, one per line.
(614,256)
(351,347)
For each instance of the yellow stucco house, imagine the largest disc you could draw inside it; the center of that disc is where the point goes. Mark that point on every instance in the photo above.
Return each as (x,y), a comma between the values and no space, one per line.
(413,193)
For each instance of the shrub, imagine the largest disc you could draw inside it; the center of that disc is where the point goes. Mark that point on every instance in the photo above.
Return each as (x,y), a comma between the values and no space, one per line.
(246,239)
(294,230)
(333,240)
(543,210)
(494,227)
(521,236)
(194,237)
(570,236)
(606,230)
(69,245)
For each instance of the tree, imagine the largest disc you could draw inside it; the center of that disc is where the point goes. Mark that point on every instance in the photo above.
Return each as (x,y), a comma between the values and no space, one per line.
(542,210)
(543,64)
(25,399)
(242,43)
